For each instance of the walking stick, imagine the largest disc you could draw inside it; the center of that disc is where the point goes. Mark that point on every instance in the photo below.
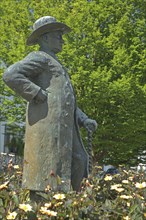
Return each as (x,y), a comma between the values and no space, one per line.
(89,149)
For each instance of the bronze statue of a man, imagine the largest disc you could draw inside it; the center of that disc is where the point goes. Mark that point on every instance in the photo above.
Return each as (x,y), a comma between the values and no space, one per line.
(53,146)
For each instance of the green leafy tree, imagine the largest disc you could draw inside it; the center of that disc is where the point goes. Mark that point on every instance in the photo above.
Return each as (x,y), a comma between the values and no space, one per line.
(105,56)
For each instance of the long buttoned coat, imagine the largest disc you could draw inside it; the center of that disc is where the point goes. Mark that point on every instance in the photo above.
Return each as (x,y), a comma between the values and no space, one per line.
(54,154)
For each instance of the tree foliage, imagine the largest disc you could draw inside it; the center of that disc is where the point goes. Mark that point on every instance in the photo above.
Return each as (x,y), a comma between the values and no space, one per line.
(105,57)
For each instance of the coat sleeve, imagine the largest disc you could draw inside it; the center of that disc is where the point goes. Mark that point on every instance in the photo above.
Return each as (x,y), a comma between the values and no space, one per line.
(81,117)
(19,76)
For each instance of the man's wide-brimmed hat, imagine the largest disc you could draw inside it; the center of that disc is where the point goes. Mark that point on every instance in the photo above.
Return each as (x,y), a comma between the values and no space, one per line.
(44,25)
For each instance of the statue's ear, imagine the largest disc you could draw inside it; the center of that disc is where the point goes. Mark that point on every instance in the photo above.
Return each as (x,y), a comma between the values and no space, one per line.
(43,38)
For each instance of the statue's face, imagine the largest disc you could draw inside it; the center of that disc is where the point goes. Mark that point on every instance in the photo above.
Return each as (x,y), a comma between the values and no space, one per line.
(54,41)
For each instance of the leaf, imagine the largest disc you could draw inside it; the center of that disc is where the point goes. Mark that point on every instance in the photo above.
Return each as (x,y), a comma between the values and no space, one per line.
(4,185)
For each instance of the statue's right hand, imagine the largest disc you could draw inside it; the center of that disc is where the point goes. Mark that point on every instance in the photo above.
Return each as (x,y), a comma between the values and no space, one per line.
(40,97)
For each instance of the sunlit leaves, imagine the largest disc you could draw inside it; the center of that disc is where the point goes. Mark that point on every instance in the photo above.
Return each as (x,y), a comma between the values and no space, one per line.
(105,57)
(120,196)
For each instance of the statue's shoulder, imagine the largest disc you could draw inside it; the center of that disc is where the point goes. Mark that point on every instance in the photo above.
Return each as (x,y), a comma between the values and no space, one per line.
(37,56)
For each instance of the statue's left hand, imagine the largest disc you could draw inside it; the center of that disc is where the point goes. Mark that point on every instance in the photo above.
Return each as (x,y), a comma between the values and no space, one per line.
(90,124)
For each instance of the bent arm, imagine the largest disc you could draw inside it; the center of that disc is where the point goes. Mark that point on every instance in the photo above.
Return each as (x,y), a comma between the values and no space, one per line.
(81,116)
(19,75)
(85,122)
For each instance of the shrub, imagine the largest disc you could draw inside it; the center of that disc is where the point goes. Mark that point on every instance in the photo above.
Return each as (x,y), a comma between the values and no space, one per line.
(102,196)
